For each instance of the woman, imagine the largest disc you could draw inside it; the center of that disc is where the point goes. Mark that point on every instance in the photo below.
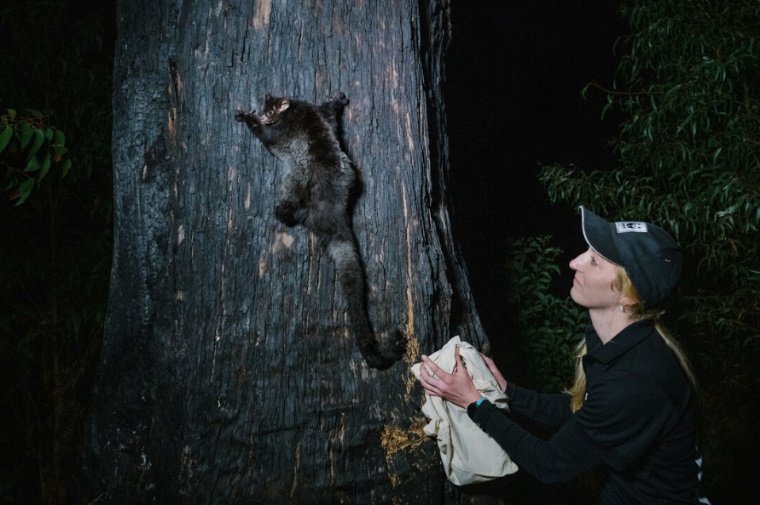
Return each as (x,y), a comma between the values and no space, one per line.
(630,411)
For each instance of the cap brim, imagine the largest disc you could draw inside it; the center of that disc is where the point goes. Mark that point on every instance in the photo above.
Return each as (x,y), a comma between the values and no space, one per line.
(598,234)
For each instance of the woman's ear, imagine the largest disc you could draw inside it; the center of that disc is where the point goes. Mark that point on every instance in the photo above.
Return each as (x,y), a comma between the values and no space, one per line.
(626,302)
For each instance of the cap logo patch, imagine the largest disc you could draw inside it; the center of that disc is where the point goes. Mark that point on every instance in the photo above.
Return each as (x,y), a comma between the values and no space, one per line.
(631,226)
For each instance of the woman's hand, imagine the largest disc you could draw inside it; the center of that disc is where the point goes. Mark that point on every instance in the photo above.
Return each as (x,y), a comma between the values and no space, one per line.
(495,372)
(456,387)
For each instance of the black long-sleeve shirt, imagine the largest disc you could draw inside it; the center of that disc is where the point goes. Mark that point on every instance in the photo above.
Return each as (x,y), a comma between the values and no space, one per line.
(637,422)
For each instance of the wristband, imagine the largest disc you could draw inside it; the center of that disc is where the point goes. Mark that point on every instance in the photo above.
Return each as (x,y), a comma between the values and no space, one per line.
(482,399)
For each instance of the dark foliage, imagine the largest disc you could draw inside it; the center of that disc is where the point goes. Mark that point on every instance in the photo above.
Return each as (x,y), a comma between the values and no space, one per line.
(55,220)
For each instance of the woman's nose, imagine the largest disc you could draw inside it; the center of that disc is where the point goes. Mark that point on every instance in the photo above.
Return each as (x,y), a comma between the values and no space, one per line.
(575,263)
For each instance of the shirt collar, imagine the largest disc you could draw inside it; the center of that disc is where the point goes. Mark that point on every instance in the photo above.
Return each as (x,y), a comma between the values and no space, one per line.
(631,336)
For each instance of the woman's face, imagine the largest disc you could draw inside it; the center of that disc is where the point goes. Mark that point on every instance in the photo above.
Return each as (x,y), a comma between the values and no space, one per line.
(593,281)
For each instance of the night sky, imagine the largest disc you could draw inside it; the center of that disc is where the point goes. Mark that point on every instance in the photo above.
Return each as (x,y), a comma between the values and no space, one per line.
(513,95)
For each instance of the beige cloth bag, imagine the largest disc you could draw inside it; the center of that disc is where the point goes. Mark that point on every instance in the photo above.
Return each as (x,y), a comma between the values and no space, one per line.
(469,454)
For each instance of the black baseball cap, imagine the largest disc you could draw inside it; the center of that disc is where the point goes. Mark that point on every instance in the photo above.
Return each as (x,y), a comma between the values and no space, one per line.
(650,256)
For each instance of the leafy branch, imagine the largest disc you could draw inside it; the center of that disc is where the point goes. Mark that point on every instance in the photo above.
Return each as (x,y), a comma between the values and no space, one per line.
(29,149)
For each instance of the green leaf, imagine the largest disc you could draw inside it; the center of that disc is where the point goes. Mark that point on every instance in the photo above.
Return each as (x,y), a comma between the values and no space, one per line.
(60,138)
(59,151)
(26,134)
(33,165)
(39,138)
(24,190)
(605,109)
(5,137)
(65,168)
(45,166)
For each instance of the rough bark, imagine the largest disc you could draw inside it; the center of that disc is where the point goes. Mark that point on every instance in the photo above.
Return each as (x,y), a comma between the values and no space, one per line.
(227,373)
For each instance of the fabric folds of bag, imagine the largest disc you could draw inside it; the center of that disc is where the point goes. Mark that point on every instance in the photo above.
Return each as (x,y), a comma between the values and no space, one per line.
(469,455)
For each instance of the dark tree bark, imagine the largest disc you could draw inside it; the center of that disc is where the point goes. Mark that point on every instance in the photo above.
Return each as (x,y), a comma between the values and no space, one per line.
(227,372)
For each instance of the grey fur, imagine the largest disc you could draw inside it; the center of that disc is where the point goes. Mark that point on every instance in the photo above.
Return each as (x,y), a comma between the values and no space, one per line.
(315,192)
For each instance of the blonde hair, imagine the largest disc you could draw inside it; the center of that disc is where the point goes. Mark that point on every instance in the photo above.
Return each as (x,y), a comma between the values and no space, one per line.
(624,286)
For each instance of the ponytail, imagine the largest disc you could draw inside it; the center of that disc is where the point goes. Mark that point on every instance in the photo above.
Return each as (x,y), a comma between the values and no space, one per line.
(578,390)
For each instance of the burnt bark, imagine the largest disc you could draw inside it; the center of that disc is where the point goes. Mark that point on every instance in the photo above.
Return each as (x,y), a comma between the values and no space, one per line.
(227,373)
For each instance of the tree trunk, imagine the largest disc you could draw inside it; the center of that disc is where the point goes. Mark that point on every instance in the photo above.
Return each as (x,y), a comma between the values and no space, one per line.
(228,374)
